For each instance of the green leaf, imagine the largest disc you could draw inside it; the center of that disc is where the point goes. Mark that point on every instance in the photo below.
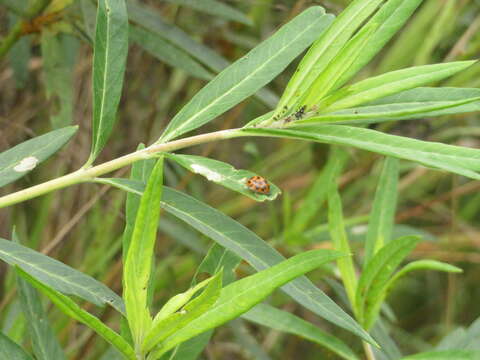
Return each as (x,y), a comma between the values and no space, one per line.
(371,285)
(152,21)
(138,265)
(327,80)
(223,174)
(388,84)
(44,342)
(284,321)
(10,350)
(247,245)
(390,18)
(58,275)
(383,210)
(422,265)
(243,294)
(140,171)
(22,158)
(178,301)
(455,159)
(324,50)
(339,238)
(397,111)
(216,259)
(67,306)
(173,323)
(109,58)
(57,50)
(166,52)
(318,191)
(445,355)
(215,8)
(248,74)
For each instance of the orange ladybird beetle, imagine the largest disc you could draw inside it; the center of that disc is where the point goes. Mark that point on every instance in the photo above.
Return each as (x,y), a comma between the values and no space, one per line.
(258,185)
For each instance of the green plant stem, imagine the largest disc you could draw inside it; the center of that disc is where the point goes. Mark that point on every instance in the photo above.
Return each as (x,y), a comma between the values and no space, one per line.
(88,174)
(368,351)
(16,31)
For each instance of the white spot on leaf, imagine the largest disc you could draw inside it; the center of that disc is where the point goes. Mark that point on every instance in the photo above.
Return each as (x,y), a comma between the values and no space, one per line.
(26,164)
(208,173)
(359,229)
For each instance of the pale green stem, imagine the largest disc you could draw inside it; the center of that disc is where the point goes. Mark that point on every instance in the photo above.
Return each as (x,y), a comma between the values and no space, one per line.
(88,174)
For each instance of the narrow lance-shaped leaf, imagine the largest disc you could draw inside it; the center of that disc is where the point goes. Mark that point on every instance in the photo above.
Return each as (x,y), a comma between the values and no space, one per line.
(138,265)
(248,74)
(191,311)
(247,245)
(44,342)
(243,294)
(109,58)
(224,174)
(339,238)
(284,321)
(328,79)
(378,271)
(151,20)
(445,355)
(396,111)
(9,349)
(215,8)
(324,50)
(383,209)
(216,259)
(23,158)
(388,84)
(456,159)
(422,265)
(59,276)
(390,18)
(70,308)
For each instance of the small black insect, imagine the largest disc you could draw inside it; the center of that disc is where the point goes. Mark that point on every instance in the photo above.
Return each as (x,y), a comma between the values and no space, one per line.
(300,113)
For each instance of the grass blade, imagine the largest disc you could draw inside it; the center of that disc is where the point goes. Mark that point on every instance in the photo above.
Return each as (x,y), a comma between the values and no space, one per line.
(243,294)
(248,74)
(10,350)
(445,355)
(71,309)
(109,59)
(388,84)
(164,51)
(223,174)
(318,191)
(138,265)
(215,8)
(58,275)
(23,158)
(284,321)
(383,210)
(247,245)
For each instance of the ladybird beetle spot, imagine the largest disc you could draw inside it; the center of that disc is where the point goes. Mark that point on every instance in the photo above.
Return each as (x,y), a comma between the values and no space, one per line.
(258,185)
